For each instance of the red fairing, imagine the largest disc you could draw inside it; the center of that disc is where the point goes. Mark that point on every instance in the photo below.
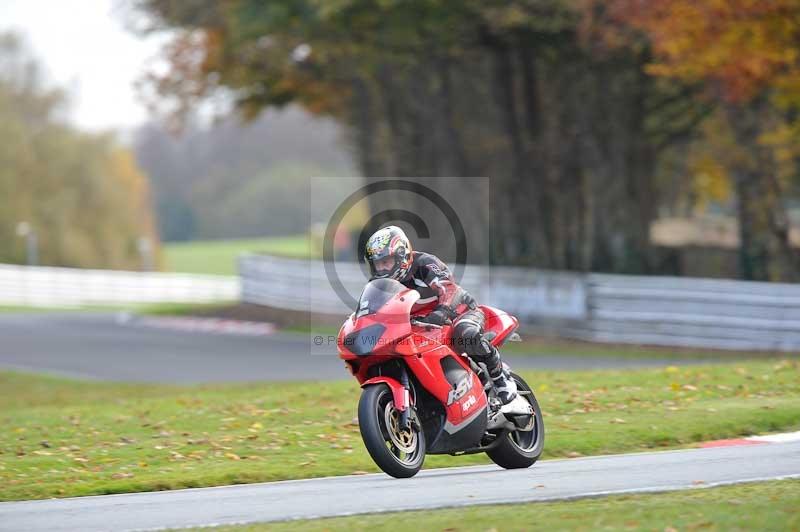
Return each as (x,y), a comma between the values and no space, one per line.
(379,335)
(399,394)
(393,315)
(428,369)
(499,322)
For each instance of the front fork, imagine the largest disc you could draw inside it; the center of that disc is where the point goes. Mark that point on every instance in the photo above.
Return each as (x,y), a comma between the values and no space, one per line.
(404,414)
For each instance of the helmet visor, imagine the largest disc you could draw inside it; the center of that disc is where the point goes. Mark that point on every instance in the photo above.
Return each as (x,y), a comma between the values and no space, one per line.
(383,266)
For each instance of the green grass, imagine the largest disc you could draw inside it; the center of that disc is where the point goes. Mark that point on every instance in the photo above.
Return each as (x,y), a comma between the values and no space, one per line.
(67,438)
(758,506)
(549,346)
(14,309)
(155,309)
(219,256)
(177,309)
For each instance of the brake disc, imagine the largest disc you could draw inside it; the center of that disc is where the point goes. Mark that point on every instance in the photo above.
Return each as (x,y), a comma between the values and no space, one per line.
(404,439)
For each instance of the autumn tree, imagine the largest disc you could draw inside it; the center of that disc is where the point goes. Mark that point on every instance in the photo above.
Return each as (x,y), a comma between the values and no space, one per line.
(82,193)
(550,99)
(746,54)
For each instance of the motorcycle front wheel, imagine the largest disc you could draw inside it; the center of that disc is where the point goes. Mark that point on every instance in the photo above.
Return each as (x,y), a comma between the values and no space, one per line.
(398,452)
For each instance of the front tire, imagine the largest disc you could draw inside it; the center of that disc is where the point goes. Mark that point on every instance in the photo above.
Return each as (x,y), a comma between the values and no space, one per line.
(399,453)
(521,449)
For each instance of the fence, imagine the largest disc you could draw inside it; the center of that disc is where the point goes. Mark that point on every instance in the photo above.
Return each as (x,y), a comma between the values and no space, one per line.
(44,286)
(670,311)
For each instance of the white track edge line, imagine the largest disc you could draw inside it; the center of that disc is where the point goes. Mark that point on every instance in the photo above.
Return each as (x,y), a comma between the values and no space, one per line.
(588,495)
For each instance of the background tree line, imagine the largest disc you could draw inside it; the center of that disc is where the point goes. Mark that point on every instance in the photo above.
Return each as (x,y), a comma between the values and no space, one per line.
(231,180)
(591,118)
(81,193)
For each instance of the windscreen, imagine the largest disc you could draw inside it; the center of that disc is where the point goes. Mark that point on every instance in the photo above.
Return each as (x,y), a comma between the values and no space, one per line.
(376,294)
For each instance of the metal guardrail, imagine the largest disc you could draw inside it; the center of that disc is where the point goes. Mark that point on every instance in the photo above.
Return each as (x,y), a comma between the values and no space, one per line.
(303,285)
(669,311)
(694,312)
(46,286)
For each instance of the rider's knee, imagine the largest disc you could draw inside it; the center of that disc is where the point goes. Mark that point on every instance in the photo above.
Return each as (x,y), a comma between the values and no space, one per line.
(482,349)
(472,342)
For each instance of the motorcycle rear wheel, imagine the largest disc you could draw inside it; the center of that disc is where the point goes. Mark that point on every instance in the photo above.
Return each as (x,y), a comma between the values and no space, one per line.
(521,449)
(399,453)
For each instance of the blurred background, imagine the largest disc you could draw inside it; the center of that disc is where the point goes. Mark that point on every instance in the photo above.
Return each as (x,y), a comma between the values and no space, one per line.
(621,137)
(626,172)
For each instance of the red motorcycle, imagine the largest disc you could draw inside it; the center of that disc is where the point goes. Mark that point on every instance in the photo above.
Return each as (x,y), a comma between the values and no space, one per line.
(421,395)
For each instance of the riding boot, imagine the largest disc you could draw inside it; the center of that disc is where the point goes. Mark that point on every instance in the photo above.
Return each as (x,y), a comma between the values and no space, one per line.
(504,385)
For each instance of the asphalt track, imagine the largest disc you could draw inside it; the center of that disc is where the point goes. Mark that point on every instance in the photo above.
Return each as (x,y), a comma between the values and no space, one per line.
(101,346)
(434,488)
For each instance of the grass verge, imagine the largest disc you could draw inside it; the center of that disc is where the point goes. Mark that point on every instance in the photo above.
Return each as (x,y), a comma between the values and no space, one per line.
(218,257)
(20,309)
(758,506)
(532,345)
(179,309)
(68,438)
(150,309)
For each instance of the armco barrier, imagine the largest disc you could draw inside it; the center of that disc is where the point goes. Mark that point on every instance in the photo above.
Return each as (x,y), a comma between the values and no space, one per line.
(670,311)
(45,286)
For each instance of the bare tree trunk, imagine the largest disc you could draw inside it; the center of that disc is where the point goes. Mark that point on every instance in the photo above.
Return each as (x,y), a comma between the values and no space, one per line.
(641,167)
(365,130)
(765,252)
(528,226)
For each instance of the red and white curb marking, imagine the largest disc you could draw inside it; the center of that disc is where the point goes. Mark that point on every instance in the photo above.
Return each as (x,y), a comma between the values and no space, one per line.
(755,440)
(199,325)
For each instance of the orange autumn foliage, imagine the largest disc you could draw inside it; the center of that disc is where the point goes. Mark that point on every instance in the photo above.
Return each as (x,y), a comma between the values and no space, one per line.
(740,46)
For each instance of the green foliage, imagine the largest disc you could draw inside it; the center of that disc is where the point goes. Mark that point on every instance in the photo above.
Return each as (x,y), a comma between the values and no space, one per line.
(218,257)
(525,92)
(241,181)
(274,202)
(82,194)
(581,111)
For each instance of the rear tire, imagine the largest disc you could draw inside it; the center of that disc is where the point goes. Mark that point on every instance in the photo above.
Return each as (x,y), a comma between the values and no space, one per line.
(521,449)
(398,453)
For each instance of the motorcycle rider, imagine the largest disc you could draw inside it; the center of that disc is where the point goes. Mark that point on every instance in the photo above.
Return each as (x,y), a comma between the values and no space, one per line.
(389,255)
